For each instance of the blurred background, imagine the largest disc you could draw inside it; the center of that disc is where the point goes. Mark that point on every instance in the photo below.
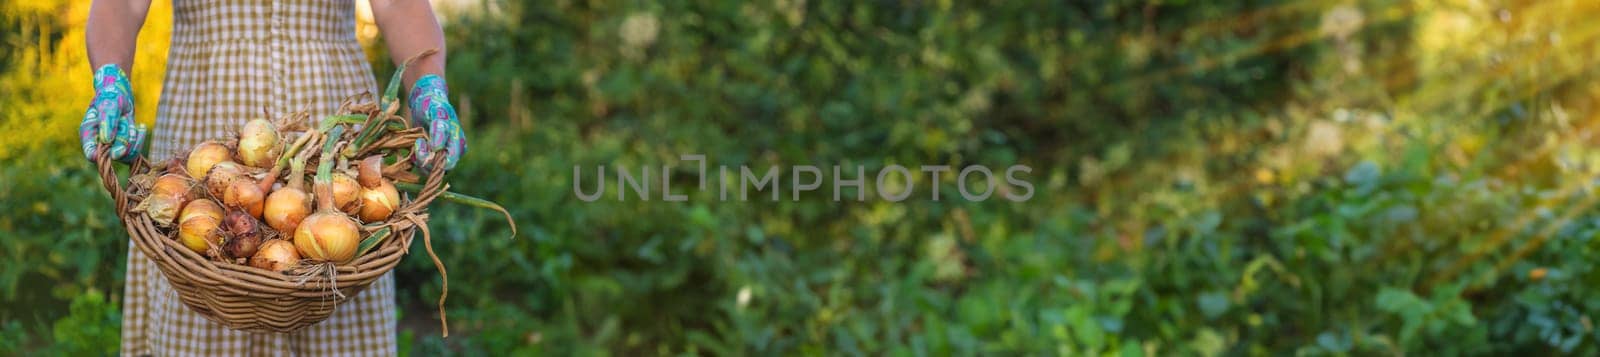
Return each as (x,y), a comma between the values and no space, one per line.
(1213,177)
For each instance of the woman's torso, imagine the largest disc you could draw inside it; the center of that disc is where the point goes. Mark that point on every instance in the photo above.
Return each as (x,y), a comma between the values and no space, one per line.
(234,60)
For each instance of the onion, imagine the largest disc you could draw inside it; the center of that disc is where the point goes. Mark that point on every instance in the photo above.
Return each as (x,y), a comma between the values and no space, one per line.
(275,255)
(286,207)
(270,181)
(346,193)
(259,143)
(380,202)
(166,198)
(222,175)
(172,185)
(290,204)
(379,198)
(244,234)
(246,195)
(198,226)
(327,235)
(204,156)
(161,209)
(370,171)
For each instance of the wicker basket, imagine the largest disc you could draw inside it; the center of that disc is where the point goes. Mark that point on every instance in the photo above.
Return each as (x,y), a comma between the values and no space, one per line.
(246,298)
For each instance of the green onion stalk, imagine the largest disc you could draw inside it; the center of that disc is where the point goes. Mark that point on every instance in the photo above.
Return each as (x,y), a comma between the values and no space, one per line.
(467,200)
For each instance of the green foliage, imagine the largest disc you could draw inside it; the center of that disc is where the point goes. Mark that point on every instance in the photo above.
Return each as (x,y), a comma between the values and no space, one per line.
(61,249)
(1373,177)
(91,326)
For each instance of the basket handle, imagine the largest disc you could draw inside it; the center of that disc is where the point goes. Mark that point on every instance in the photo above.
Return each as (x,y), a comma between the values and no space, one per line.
(109,179)
(432,187)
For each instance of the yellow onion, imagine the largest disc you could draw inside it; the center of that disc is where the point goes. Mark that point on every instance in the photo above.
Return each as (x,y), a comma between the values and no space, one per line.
(269,182)
(204,156)
(285,208)
(172,184)
(275,255)
(379,198)
(166,198)
(378,203)
(162,209)
(222,175)
(246,195)
(290,204)
(328,236)
(259,143)
(346,193)
(198,226)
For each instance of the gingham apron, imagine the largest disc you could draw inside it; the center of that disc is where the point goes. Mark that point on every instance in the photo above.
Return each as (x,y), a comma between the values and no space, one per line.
(230,61)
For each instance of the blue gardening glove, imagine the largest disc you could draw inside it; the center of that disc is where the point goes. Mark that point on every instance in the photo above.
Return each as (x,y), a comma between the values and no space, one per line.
(109,119)
(430,108)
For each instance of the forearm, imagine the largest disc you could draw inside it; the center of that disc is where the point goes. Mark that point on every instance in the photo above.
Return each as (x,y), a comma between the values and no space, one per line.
(409,28)
(113,29)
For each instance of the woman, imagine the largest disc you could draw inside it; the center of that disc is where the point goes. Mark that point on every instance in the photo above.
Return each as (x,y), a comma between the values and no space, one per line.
(230,61)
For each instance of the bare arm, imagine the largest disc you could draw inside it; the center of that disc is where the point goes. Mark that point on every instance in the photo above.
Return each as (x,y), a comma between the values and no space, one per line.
(112,29)
(409,28)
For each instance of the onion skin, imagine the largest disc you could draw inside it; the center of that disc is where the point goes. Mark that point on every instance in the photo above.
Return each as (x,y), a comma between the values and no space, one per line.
(275,255)
(166,199)
(246,195)
(259,143)
(199,226)
(204,156)
(175,165)
(346,193)
(162,209)
(286,208)
(380,202)
(328,236)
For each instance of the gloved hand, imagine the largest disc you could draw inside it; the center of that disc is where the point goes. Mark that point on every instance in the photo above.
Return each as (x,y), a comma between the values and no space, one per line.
(109,119)
(430,107)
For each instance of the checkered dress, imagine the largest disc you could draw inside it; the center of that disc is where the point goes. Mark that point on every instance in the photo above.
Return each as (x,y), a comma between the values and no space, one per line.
(230,61)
